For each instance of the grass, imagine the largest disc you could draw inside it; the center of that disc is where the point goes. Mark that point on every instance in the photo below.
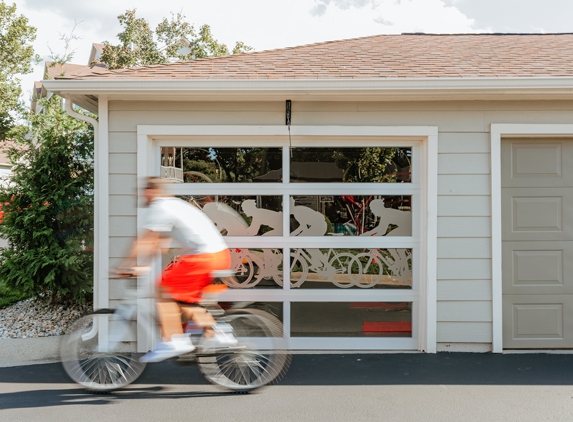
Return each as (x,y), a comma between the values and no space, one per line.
(9,296)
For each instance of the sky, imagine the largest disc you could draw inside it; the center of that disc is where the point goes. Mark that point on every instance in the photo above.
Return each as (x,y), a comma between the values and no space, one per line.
(270,24)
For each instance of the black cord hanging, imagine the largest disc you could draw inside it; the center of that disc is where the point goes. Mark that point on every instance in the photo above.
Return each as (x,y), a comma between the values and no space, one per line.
(287,122)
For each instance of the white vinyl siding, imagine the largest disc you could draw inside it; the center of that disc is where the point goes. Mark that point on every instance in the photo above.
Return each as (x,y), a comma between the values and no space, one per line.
(464,332)
(462,185)
(458,248)
(467,311)
(464,238)
(461,290)
(469,227)
(464,206)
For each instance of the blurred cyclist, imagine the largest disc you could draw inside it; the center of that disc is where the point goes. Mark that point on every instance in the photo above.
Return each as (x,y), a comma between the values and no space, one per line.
(203,250)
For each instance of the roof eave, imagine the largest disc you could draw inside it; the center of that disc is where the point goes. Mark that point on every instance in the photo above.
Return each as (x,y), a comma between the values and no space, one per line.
(313,89)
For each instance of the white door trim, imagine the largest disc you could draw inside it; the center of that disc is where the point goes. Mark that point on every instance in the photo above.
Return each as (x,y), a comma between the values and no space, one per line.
(497,132)
(149,135)
(101,207)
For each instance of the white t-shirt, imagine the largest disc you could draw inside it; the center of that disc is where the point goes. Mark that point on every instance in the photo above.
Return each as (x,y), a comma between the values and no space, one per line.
(189,227)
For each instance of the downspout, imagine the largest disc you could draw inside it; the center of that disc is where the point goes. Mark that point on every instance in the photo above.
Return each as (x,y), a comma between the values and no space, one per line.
(97,301)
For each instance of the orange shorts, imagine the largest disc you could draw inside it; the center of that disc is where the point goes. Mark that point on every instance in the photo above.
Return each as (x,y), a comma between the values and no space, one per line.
(186,279)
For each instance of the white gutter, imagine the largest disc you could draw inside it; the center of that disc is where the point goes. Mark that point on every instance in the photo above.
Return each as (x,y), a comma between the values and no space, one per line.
(119,85)
(98,301)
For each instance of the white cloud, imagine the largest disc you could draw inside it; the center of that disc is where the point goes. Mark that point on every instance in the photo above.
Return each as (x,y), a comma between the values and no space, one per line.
(518,15)
(403,15)
(321,5)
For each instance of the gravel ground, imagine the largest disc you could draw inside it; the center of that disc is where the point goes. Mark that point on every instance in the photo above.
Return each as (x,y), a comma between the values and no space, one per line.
(32,318)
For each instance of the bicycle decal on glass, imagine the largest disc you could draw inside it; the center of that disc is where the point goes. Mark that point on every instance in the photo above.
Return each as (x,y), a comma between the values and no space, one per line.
(343,268)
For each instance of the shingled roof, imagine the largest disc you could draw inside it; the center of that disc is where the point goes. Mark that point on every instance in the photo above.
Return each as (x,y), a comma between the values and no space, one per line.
(379,56)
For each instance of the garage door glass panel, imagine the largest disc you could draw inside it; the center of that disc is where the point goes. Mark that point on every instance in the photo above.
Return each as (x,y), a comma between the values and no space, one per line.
(254,215)
(221,165)
(350,215)
(310,227)
(351,165)
(351,319)
(314,268)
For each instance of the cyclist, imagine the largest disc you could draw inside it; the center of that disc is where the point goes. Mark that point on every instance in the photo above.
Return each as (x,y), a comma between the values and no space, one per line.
(401,220)
(262,217)
(203,250)
(311,223)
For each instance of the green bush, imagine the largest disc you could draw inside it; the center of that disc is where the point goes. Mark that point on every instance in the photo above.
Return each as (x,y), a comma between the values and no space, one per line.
(48,208)
(9,296)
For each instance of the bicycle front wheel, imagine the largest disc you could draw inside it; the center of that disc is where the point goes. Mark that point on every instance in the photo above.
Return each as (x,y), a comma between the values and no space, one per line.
(342,271)
(371,268)
(260,358)
(97,353)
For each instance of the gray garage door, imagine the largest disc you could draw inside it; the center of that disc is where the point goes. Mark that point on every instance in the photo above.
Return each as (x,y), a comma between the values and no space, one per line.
(537,252)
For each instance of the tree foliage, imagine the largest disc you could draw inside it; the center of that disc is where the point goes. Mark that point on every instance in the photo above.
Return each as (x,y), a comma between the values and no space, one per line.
(48,207)
(230,165)
(16,54)
(173,39)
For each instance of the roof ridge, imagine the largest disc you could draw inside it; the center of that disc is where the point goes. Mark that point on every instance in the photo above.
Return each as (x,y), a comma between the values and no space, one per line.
(485,33)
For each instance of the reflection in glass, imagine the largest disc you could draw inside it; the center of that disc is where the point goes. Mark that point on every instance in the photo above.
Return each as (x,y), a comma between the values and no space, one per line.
(351,165)
(221,165)
(351,319)
(242,215)
(315,268)
(350,215)
(255,268)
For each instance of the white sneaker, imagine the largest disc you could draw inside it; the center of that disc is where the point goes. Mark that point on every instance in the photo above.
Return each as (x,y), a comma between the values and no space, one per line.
(179,345)
(223,337)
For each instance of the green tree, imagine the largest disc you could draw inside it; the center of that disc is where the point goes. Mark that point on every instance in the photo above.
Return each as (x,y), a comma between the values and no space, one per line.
(174,39)
(365,164)
(16,54)
(48,207)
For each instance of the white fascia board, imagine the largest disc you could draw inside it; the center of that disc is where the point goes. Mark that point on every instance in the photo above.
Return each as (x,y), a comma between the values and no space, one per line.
(368,87)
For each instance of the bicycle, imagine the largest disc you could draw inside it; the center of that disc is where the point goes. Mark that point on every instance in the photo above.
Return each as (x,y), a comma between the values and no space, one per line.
(250,269)
(333,266)
(376,263)
(99,352)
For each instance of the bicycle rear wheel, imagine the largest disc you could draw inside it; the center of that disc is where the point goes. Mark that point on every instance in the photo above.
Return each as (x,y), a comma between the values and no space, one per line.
(97,361)
(260,358)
